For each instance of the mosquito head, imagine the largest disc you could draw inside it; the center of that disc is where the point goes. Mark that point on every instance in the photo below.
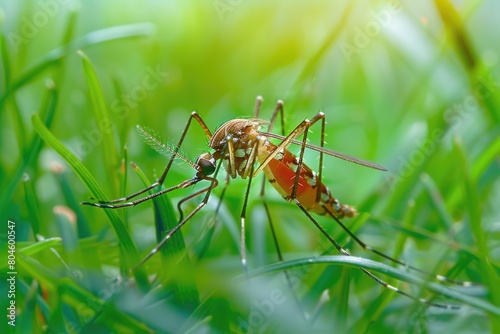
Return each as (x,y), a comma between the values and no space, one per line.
(205,164)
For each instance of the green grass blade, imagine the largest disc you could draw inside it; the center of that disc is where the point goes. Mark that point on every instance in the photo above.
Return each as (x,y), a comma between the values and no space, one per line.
(165,218)
(476,70)
(357,262)
(473,205)
(32,204)
(84,230)
(103,121)
(433,191)
(174,255)
(92,38)
(6,62)
(453,22)
(309,70)
(487,157)
(31,152)
(66,223)
(128,247)
(40,246)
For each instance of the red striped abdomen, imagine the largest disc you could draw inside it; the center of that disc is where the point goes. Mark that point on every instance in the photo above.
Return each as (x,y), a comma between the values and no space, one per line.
(281,172)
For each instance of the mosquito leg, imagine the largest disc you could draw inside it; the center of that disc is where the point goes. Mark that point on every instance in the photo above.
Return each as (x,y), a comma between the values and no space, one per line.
(387,257)
(249,172)
(182,201)
(258,103)
(223,192)
(299,129)
(184,184)
(207,190)
(242,222)
(321,116)
(278,110)
(160,181)
(302,129)
(342,251)
(320,167)
(216,214)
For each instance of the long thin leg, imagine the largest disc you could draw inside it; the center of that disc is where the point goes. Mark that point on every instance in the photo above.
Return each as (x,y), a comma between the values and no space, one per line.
(185,199)
(342,251)
(256,110)
(216,213)
(387,257)
(183,184)
(251,163)
(303,128)
(207,190)
(105,204)
(278,110)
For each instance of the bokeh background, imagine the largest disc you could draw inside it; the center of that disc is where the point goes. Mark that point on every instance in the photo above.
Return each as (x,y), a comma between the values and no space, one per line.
(413,86)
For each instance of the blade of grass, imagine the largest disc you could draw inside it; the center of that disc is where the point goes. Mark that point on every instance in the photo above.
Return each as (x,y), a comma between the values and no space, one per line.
(66,223)
(71,201)
(31,152)
(5,60)
(341,301)
(489,154)
(75,296)
(31,204)
(313,63)
(475,68)
(378,306)
(473,206)
(19,127)
(357,262)
(103,121)
(165,220)
(40,246)
(128,250)
(453,22)
(331,274)
(90,39)
(28,318)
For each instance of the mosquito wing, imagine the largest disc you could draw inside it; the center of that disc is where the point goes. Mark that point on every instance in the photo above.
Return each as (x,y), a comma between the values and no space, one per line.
(330,152)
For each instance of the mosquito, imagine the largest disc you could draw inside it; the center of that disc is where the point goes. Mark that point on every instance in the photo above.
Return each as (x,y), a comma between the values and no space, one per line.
(245,150)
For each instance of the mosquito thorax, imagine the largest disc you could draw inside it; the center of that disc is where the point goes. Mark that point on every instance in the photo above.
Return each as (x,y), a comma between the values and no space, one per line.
(206,164)
(234,142)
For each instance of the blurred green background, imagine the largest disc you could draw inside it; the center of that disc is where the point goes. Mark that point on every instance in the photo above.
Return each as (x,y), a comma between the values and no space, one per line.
(413,86)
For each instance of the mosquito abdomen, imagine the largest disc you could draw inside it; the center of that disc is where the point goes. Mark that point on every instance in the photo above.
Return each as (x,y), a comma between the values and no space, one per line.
(281,173)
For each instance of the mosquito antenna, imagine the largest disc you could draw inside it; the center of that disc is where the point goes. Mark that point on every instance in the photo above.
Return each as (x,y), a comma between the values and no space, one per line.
(155,141)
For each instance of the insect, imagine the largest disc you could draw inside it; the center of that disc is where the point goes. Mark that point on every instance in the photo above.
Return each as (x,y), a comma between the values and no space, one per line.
(245,150)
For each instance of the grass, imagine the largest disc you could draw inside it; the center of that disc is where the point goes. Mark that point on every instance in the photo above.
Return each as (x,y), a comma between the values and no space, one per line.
(417,93)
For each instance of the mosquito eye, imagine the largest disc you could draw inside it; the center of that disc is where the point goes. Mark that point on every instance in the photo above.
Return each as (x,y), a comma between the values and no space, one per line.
(207,166)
